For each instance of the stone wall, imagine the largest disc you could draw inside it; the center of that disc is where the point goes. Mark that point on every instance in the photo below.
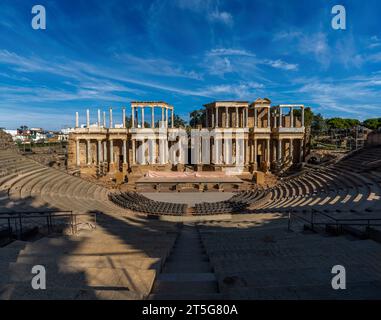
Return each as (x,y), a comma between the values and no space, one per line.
(374,139)
(6,141)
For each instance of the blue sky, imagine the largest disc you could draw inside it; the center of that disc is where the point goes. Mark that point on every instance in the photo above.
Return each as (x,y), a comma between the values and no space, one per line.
(96,54)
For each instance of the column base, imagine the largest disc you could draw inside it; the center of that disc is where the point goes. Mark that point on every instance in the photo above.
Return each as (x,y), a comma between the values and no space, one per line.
(112,167)
(125,167)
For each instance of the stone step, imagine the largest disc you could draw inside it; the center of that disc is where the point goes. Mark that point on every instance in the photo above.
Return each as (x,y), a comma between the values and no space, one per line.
(185,267)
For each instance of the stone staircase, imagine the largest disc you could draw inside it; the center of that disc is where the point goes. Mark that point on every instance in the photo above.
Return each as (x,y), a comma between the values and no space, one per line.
(118,260)
(187,273)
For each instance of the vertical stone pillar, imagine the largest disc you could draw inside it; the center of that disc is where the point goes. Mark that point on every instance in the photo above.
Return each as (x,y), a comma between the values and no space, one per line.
(162,117)
(88,147)
(226,117)
(99,118)
(76,120)
(206,118)
(172,119)
(166,117)
(99,149)
(152,117)
(111,125)
(302,116)
(301,155)
(132,117)
(279,150)
(216,120)
(213,120)
(142,110)
(77,155)
(104,119)
(268,117)
(291,150)
(87,118)
(236,117)
(124,155)
(291,117)
(255,154)
(255,117)
(246,117)
(268,153)
(111,151)
(247,154)
(124,117)
(104,151)
(280,117)
(133,151)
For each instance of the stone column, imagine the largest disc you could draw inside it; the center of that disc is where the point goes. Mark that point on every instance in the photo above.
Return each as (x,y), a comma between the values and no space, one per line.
(268,118)
(87,118)
(216,120)
(104,119)
(246,117)
(303,117)
(255,117)
(275,119)
(268,153)
(133,117)
(99,159)
(152,117)
(255,154)
(172,119)
(291,150)
(291,117)
(76,120)
(280,117)
(166,117)
(279,150)
(111,125)
(236,117)
(111,151)
(206,118)
(142,110)
(77,155)
(246,150)
(162,117)
(124,156)
(226,117)
(88,146)
(99,118)
(124,117)
(301,155)
(104,151)
(133,151)
(213,120)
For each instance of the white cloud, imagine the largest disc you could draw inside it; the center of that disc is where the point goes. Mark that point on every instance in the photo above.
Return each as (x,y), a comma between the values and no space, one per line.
(222,17)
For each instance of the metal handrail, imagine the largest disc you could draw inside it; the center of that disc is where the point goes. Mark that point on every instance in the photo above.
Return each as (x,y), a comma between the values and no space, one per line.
(338,222)
(16,219)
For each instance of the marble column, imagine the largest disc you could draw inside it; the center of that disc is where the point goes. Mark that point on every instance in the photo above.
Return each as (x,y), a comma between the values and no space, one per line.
(268,153)
(111,151)
(104,151)
(172,119)
(166,117)
(99,159)
(255,117)
(133,117)
(152,117)
(133,151)
(255,154)
(87,118)
(111,124)
(280,117)
(216,120)
(291,150)
(236,117)
(226,117)
(104,119)
(88,147)
(76,120)
(279,150)
(302,117)
(124,117)
(291,117)
(77,155)
(99,118)
(142,110)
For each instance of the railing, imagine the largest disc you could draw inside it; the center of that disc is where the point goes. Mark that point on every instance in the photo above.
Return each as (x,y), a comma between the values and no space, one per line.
(13,223)
(339,223)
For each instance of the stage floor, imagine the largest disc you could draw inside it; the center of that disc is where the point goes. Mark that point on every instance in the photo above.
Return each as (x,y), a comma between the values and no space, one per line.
(190,198)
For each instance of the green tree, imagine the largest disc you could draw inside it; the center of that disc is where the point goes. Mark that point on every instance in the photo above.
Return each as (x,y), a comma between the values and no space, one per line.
(372,124)
(197,117)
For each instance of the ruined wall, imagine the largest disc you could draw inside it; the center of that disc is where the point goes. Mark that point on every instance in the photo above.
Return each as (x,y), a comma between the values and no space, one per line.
(6,142)
(374,139)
